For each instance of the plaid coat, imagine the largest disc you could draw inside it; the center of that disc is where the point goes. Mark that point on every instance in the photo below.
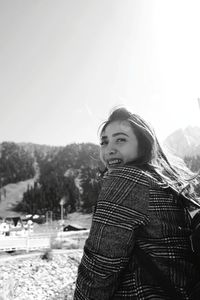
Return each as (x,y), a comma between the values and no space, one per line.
(135,208)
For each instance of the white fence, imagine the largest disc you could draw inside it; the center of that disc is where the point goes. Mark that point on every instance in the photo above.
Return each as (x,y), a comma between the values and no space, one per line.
(12,243)
(42,241)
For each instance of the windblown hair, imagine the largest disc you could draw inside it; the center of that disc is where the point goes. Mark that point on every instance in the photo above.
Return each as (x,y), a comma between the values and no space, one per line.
(173,172)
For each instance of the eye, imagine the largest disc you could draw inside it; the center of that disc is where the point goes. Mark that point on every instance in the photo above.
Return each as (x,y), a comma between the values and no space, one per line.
(103,143)
(121,140)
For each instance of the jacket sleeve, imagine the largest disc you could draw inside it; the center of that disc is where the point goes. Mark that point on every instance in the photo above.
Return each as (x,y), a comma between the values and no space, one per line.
(121,209)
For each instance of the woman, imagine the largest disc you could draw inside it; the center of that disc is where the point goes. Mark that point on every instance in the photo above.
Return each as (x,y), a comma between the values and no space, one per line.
(141,213)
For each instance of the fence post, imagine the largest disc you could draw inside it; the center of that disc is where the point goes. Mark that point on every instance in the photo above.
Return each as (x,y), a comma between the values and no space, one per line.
(27,243)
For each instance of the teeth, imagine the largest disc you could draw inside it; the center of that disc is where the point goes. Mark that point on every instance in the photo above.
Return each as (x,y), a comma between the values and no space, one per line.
(115,161)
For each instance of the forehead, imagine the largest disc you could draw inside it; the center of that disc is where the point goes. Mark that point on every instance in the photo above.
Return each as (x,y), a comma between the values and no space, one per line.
(117,127)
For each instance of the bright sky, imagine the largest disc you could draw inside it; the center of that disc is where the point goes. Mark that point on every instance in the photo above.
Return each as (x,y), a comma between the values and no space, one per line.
(64,64)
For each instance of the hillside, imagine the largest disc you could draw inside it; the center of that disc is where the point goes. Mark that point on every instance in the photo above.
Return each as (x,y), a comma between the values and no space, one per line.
(14,194)
(184,142)
(69,173)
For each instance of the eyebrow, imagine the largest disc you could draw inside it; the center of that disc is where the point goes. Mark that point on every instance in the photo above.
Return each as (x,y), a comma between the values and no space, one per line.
(114,135)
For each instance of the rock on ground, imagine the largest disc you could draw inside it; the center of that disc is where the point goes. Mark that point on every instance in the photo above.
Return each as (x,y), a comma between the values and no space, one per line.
(31,277)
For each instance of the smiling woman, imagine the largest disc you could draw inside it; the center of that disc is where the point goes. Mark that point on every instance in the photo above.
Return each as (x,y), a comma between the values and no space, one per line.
(127,135)
(142,208)
(118,144)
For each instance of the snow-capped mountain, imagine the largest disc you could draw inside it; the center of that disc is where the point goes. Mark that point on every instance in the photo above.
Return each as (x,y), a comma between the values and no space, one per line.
(184,142)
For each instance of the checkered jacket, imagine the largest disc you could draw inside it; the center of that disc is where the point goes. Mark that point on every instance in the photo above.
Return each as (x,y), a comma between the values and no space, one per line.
(135,208)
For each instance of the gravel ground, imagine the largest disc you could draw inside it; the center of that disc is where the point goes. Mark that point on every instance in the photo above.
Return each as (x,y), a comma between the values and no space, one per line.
(29,277)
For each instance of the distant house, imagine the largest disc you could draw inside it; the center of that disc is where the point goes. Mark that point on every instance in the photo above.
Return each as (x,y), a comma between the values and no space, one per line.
(14,221)
(4,228)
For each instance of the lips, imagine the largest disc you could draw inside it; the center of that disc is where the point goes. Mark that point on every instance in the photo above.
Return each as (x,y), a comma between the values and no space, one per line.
(114,162)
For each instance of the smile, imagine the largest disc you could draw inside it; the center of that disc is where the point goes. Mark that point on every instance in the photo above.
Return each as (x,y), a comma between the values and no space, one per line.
(114,162)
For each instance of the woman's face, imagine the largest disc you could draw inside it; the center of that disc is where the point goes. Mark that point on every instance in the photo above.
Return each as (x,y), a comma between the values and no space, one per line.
(119,144)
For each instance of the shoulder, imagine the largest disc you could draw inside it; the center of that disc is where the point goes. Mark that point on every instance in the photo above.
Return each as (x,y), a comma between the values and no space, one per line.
(128,174)
(127,187)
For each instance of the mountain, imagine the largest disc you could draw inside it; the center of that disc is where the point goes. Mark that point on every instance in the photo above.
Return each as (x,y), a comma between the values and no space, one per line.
(44,150)
(69,173)
(184,142)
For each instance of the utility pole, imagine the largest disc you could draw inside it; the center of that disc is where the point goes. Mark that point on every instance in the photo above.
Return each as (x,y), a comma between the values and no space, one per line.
(62,202)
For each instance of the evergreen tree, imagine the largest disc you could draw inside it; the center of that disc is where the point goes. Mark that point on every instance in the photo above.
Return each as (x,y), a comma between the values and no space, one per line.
(59,172)
(15,163)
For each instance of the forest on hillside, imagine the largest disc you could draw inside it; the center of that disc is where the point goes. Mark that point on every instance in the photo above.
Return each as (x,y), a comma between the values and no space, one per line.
(69,173)
(16,164)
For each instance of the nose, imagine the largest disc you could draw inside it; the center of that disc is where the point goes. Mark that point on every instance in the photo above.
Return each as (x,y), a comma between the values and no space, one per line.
(111,149)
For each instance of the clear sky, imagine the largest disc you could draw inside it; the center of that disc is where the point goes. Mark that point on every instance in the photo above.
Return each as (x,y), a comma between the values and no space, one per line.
(64,64)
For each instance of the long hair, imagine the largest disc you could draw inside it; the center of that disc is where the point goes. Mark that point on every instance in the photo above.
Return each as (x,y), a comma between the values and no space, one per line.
(173,172)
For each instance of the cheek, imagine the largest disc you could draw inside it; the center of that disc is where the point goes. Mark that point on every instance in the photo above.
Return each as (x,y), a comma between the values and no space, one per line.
(135,147)
(136,152)
(133,151)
